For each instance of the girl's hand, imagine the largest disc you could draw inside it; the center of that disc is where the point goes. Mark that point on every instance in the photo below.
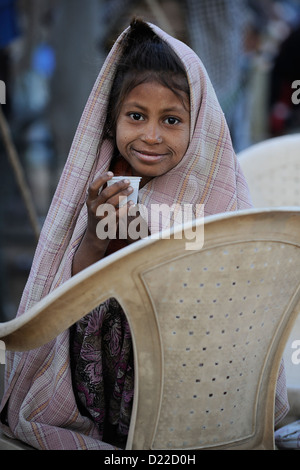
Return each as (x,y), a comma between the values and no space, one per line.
(112,196)
(93,248)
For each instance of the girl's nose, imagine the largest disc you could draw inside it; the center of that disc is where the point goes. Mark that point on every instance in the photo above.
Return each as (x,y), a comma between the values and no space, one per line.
(152,135)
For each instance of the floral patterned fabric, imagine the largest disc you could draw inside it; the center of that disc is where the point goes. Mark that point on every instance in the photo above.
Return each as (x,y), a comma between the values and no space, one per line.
(102,368)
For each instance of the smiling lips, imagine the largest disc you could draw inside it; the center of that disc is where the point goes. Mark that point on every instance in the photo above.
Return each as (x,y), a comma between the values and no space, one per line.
(148,156)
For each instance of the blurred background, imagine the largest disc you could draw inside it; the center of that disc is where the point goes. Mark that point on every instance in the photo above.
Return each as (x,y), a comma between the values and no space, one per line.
(51,52)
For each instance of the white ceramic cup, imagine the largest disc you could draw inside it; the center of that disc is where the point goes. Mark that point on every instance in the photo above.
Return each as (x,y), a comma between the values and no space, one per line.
(134,183)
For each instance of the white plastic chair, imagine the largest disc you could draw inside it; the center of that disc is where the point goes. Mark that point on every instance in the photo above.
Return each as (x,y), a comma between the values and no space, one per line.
(272,170)
(208,326)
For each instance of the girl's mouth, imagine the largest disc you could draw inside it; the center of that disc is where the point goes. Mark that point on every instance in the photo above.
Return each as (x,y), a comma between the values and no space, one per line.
(145,155)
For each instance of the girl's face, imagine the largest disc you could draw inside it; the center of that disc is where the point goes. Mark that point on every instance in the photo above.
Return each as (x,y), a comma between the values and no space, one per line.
(152,131)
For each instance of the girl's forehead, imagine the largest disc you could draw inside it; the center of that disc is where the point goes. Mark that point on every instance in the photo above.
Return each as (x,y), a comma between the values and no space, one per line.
(156,93)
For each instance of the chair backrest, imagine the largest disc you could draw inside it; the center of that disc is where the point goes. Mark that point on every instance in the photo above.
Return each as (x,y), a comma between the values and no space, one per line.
(208,326)
(272,170)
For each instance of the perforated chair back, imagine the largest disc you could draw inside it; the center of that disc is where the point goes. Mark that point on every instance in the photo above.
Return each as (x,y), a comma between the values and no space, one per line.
(208,326)
(272,170)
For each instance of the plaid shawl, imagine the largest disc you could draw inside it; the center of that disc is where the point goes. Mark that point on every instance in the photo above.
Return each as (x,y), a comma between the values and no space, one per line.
(42,408)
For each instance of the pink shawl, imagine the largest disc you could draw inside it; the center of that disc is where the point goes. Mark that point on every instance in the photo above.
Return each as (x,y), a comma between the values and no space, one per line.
(42,410)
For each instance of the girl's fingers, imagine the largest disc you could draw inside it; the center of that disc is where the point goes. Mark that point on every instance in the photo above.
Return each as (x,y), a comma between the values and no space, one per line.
(118,199)
(97,184)
(115,195)
(111,193)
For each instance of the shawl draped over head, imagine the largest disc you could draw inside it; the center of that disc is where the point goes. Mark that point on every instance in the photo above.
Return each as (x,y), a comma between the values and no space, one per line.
(39,401)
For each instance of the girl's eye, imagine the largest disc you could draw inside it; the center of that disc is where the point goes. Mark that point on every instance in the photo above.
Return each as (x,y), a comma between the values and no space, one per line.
(136,116)
(172,120)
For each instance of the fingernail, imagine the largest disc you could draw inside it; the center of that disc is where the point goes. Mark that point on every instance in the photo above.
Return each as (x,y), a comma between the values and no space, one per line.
(110,173)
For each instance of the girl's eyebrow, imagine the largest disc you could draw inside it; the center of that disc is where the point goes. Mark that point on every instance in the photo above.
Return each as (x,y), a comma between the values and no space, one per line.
(173,109)
(133,104)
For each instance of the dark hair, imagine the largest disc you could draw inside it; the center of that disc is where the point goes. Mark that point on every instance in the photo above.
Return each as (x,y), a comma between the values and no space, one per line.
(146,57)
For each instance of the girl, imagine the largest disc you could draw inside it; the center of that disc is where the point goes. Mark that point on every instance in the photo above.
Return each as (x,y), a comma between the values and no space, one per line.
(152,113)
